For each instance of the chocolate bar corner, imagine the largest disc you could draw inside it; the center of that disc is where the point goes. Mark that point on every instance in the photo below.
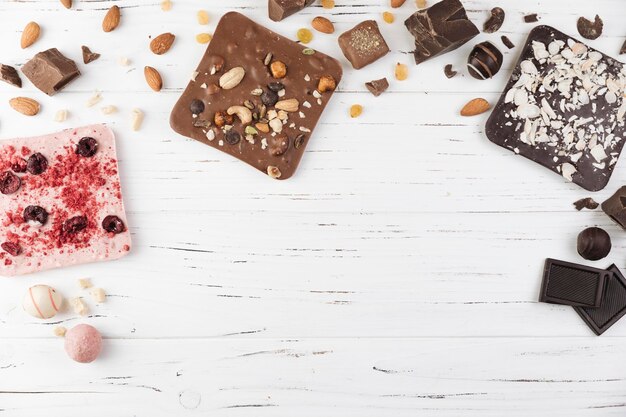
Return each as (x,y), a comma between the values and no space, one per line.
(615,207)
(281,9)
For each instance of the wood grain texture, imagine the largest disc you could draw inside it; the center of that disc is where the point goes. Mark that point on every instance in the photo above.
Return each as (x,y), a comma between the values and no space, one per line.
(395,275)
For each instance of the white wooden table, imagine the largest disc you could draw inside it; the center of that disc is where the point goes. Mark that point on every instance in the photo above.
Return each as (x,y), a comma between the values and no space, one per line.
(395,275)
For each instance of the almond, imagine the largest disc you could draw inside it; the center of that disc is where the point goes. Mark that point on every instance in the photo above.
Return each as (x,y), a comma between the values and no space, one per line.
(30,34)
(162,43)
(67,3)
(153,78)
(321,24)
(111,19)
(25,105)
(475,107)
(397,3)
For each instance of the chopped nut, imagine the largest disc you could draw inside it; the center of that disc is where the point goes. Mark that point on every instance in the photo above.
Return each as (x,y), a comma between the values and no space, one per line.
(222,119)
(401,72)
(289,105)
(166,5)
(276,125)
(136,119)
(328,4)
(98,295)
(84,283)
(203,17)
(273,172)
(123,61)
(279,69)
(388,17)
(59,331)
(94,99)
(326,83)
(268,59)
(109,110)
(203,38)
(78,306)
(263,127)
(60,116)
(356,110)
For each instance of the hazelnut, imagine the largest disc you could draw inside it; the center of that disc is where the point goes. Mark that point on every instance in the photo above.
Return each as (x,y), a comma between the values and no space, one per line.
(222,118)
(273,172)
(279,144)
(326,83)
(279,69)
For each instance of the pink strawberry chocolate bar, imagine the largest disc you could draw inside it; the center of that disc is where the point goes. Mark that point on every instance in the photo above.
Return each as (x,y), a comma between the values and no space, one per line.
(61,201)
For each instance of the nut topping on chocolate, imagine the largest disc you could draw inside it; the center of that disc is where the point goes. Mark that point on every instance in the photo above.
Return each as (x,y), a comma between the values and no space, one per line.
(87,147)
(279,144)
(232,137)
(35,216)
(37,164)
(243,113)
(222,119)
(326,83)
(75,224)
(232,78)
(113,224)
(196,106)
(9,182)
(278,69)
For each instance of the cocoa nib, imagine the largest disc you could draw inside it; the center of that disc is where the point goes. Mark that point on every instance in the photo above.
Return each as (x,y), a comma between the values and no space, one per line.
(113,224)
(12,248)
(9,182)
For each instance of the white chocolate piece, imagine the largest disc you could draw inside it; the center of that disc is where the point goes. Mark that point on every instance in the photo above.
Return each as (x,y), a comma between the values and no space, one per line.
(84,283)
(78,306)
(42,301)
(59,331)
(98,295)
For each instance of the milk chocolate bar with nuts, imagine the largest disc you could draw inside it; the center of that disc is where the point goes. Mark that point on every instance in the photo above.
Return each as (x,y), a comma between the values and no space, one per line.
(256,96)
(281,9)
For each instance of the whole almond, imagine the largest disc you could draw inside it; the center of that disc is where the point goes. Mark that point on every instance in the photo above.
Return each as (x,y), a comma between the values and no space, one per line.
(397,3)
(289,105)
(67,3)
(321,24)
(162,43)
(25,105)
(30,34)
(153,78)
(475,107)
(111,19)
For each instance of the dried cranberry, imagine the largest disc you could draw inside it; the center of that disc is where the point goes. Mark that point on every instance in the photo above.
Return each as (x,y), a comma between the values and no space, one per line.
(87,147)
(275,86)
(35,214)
(232,137)
(18,164)
(196,106)
(9,182)
(113,224)
(269,98)
(12,248)
(75,224)
(37,163)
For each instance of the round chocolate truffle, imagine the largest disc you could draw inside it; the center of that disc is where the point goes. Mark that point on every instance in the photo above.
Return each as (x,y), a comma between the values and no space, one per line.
(42,301)
(594,243)
(83,343)
(484,61)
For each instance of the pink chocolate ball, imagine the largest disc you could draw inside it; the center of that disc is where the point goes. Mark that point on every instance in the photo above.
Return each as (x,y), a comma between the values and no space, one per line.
(83,343)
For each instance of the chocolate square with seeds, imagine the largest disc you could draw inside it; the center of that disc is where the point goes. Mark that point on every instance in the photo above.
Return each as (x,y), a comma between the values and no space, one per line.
(363,44)
(563,108)
(256,96)
(613,305)
(572,284)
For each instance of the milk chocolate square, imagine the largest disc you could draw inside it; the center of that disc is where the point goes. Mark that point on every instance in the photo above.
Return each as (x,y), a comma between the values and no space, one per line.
(363,44)
(256,96)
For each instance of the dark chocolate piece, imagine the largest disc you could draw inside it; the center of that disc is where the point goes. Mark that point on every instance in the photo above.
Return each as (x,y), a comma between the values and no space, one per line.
(588,29)
(363,44)
(593,243)
(572,284)
(9,75)
(531,18)
(495,21)
(507,42)
(449,71)
(558,122)
(588,203)
(237,59)
(280,9)
(623,50)
(484,61)
(89,56)
(615,207)
(50,71)
(441,28)
(377,87)
(613,305)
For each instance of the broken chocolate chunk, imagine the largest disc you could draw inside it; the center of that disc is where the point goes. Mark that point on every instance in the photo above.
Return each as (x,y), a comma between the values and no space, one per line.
(9,75)
(11,248)
(377,87)
(484,61)
(588,203)
(507,42)
(280,9)
(113,224)
(87,147)
(9,182)
(36,164)
(75,224)
(495,21)
(50,71)
(449,71)
(588,29)
(35,215)
(615,207)
(623,50)
(441,28)
(531,18)
(89,56)
(363,44)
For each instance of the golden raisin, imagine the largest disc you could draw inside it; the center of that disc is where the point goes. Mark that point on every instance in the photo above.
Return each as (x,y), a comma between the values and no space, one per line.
(305,35)
(356,110)
(420,4)
(402,72)
(204,37)
(328,4)
(326,83)
(388,17)
(166,5)
(203,17)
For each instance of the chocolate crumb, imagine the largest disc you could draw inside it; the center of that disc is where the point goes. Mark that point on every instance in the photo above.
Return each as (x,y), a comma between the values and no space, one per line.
(531,18)
(377,87)
(89,56)
(9,75)
(623,50)
(449,71)
(588,203)
(507,42)
(588,29)
(495,21)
